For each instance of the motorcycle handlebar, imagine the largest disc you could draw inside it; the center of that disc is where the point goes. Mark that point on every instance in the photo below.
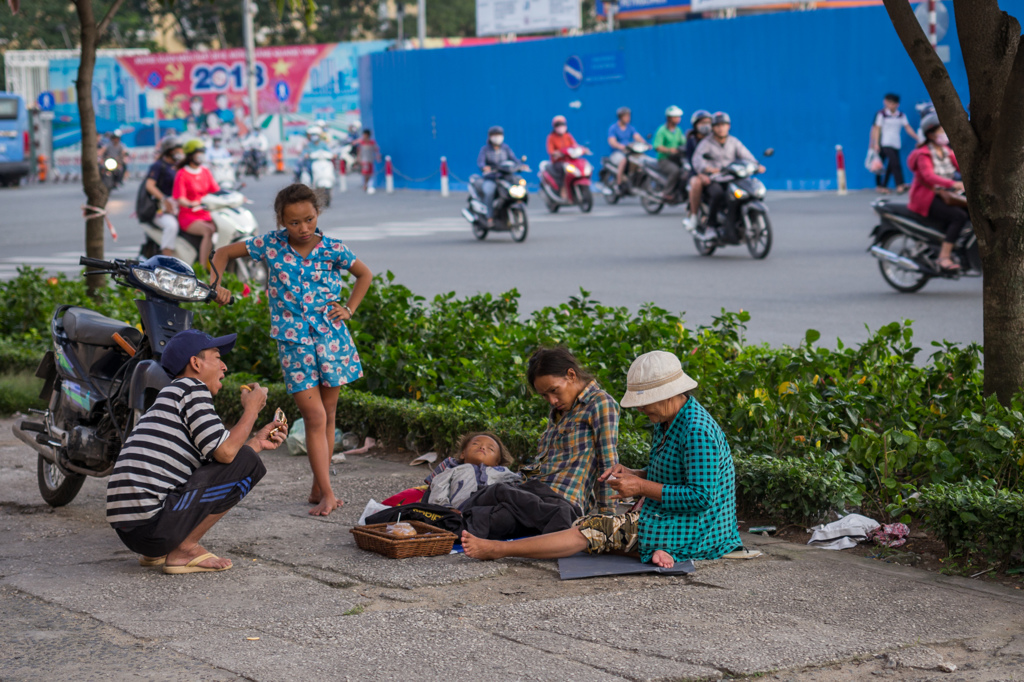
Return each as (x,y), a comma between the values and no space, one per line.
(95,263)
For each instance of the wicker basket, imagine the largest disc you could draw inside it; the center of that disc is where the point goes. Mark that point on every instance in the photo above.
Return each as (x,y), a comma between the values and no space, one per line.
(428,541)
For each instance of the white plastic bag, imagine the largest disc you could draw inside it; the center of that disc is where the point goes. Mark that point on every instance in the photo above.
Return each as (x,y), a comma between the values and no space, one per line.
(873,162)
(296,441)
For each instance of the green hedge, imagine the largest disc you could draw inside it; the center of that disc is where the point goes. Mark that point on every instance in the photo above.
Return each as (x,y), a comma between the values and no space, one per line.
(794,490)
(974,517)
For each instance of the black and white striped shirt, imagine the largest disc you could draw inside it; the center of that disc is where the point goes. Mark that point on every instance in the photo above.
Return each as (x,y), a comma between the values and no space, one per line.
(173,439)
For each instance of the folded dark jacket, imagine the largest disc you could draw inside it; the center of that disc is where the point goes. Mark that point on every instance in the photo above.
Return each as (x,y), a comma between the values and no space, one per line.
(505,511)
(444,518)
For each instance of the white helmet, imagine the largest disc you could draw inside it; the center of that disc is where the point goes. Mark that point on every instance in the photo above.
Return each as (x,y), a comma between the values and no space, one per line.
(314,130)
(673,111)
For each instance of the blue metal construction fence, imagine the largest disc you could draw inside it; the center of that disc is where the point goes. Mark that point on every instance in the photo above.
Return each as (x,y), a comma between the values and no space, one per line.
(799,82)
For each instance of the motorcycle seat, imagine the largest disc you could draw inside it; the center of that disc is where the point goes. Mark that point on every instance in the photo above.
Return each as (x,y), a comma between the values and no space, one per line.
(92,329)
(903,211)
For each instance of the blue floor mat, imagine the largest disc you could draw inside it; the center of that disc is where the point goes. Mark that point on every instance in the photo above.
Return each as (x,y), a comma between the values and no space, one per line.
(584,565)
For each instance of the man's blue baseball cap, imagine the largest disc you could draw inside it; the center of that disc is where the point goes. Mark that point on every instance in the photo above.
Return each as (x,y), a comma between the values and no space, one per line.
(183,346)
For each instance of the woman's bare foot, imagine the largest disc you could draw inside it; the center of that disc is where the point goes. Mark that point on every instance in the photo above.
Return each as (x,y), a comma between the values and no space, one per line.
(882,190)
(327,504)
(180,557)
(947,264)
(663,559)
(485,550)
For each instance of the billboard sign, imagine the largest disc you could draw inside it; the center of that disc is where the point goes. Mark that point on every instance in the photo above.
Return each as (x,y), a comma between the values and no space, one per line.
(496,17)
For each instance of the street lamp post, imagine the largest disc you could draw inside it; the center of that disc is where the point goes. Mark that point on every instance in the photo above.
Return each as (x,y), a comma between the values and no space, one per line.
(248,13)
(421,22)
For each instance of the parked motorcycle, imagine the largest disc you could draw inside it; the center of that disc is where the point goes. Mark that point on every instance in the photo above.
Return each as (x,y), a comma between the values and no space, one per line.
(321,175)
(907,245)
(577,182)
(103,374)
(744,218)
(234,223)
(254,162)
(510,198)
(632,177)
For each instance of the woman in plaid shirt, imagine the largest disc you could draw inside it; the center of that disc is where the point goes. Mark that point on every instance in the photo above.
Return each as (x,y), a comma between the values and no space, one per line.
(688,487)
(580,441)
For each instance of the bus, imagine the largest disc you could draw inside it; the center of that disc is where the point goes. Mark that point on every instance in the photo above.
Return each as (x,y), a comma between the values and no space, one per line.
(14,139)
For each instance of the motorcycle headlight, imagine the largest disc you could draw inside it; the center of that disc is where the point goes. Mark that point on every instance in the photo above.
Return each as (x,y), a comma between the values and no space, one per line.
(110,164)
(759,189)
(572,170)
(738,192)
(517,191)
(173,284)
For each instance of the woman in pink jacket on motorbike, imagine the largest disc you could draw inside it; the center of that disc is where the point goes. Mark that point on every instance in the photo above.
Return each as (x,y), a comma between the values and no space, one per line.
(934,166)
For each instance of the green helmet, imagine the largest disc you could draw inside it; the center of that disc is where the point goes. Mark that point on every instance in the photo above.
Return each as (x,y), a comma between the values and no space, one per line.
(193,145)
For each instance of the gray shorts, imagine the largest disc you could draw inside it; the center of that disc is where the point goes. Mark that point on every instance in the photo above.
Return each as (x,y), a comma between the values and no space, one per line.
(617,157)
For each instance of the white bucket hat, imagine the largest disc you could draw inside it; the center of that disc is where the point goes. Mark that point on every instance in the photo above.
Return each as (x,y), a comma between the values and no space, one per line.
(655,376)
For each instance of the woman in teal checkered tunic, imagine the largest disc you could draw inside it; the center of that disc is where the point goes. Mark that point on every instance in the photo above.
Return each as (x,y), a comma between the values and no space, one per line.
(688,487)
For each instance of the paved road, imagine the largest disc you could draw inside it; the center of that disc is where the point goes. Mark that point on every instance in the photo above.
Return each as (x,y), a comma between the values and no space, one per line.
(817,276)
(302,602)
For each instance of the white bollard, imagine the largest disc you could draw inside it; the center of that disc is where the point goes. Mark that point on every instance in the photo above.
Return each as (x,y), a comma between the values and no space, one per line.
(389,175)
(444,176)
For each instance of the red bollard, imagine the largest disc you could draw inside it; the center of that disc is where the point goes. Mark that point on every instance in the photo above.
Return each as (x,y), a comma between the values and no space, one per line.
(389,175)
(444,176)
(840,170)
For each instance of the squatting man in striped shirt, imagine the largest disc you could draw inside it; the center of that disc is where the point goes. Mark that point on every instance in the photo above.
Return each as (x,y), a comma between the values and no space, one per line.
(181,470)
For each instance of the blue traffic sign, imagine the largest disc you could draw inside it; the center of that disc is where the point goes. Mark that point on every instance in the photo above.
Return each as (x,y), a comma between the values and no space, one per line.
(573,72)
(154,79)
(282,91)
(46,101)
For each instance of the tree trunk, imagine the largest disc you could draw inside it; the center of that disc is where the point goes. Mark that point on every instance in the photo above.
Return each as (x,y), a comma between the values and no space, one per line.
(95,191)
(989,146)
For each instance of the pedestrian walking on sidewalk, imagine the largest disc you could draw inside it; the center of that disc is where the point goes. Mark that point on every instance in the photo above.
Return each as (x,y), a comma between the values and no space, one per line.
(886,139)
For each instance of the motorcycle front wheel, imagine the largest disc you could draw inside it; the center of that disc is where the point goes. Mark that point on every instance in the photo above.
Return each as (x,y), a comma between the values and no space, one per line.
(479,231)
(759,235)
(518,226)
(584,197)
(906,281)
(56,488)
(647,199)
(608,181)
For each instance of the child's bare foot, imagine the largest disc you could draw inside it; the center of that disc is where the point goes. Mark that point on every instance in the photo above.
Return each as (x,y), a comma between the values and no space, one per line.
(663,559)
(315,495)
(478,548)
(327,504)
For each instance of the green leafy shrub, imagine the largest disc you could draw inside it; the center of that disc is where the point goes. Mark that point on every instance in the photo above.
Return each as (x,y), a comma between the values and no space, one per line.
(796,490)
(971,517)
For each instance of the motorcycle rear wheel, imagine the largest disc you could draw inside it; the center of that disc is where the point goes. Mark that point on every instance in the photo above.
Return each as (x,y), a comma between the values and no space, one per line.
(56,488)
(585,198)
(759,237)
(651,205)
(901,280)
(518,225)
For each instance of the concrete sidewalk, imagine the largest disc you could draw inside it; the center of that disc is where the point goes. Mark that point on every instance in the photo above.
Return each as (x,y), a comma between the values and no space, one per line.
(73,601)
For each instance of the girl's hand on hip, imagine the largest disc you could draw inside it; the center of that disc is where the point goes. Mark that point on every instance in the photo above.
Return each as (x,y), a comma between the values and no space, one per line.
(338,311)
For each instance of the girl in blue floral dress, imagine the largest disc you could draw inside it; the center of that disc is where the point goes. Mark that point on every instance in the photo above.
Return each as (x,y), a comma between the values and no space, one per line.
(308,321)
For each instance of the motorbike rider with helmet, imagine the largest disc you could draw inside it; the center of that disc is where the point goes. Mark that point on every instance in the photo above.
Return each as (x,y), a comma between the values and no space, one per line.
(160,185)
(560,140)
(492,155)
(934,166)
(668,141)
(116,151)
(712,155)
(314,141)
(700,128)
(620,134)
